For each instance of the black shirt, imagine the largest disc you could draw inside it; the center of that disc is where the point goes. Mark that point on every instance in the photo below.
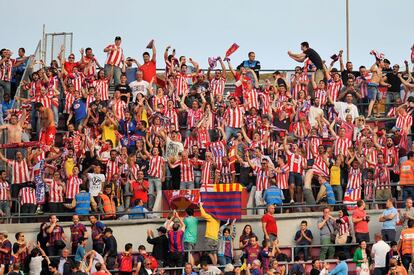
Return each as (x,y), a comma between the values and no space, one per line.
(395,82)
(124,89)
(314,272)
(110,247)
(160,249)
(314,57)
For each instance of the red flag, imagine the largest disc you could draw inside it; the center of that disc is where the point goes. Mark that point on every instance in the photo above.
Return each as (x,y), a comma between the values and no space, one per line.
(231,50)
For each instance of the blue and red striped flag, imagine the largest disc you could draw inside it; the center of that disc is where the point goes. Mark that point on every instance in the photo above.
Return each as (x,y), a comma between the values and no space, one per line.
(225,202)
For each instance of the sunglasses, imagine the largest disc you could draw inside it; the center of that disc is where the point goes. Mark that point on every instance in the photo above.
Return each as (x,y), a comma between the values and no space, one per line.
(71,57)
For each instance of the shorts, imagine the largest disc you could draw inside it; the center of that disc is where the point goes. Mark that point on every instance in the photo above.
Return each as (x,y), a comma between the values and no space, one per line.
(296,179)
(373,93)
(47,136)
(211,245)
(383,194)
(189,246)
(176,259)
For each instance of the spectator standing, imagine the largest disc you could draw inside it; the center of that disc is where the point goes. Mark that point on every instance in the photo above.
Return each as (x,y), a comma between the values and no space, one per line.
(326,228)
(115,56)
(252,63)
(405,244)
(97,228)
(360,220)
(378,254)
(389,219)
(5,251)
(190,233)
(313,56)
(407,213)
(149,67)
(126,261)
(303,237)
(110,251)
(273,194)
(211,234)
(176,248)
(362,257)
(77,231)
(225,243)
(161,245)
(56,237)
(269,225)
(5,195)
(20,249)
(407,176)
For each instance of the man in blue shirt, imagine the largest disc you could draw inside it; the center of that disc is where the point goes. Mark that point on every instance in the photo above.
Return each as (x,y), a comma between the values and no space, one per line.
(127,128)
(6,104)
(389,219)
(138,211)
(303,237)
(273,194)
(78,110)
(252,64)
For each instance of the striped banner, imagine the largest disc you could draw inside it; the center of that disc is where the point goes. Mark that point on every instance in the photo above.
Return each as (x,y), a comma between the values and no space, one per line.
(225,202)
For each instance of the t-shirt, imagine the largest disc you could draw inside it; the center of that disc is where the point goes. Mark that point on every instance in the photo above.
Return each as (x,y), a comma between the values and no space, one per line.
(125,90)
(95,183)
(35,265)
(345,73)
(138,87)
(362,226)
(380,250)
(270,221)
(314,57)
(410,212)
(303,241)
(190,233)
(172,148)
(79,109)
(314,112)
(335,175)
(390,224)
(345,109)
(131,73)
(80,253)
(149,71)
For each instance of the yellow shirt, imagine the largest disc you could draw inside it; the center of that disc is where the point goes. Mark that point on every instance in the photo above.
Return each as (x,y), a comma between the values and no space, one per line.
(69,164)
(335,175)
(108,132)
(212,225)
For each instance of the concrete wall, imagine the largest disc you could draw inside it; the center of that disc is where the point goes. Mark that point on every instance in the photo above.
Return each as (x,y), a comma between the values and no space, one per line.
(135,231)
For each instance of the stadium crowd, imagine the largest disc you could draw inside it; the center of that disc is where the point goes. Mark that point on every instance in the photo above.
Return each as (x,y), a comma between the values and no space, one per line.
(108,140)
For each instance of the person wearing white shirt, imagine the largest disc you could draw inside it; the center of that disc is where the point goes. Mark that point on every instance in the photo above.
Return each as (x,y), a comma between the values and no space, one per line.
(345,108)
(139,86)
(314,113)
(378,253)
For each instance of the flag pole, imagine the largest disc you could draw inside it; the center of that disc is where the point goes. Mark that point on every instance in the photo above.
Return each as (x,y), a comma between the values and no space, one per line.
(347,31)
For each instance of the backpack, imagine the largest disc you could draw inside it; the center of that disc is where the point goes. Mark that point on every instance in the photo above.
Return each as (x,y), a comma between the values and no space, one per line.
(126,262)
(154,263)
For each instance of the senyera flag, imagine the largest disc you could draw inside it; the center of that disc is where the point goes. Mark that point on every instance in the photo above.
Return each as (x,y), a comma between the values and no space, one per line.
(224,201)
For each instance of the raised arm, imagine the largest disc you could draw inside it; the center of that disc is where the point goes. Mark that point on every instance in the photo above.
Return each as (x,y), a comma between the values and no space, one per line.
(231,68)
(299,57)
(154,53)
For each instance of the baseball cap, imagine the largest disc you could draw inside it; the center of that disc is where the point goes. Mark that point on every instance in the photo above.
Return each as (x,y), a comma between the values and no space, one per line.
(162,229)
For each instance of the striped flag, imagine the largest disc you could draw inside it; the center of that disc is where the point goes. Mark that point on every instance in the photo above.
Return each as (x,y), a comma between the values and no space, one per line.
(225,202)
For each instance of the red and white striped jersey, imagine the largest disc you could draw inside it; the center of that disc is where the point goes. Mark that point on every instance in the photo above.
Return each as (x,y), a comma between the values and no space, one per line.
(262,178)
(4,191)
(371,155)
(341,146)
(189,142)
(251,99)
(112,168)
(296,163)
(217,86)
(312,147)
(344,225)
(226,172)
(46,99)
(102,88)
(133,171)
(282,177)
(296,86)
(265,103)
(382,177)
(159,100)
(20,171)
(354,178)
(181,81)
(6,70)
(390,155)
(186,168)
(206,168)
(334,88)
(320,167)
(70,98)
(119,107)
(363,86)
(218,148)
(90,70)
(72,186)
(194,117)
(27,195)
(299,129)
(89,99)
(115,56)
(404,122)
(55,191)
(155,167)
(321,95)
(173,116)
(234,117)
(77,80)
